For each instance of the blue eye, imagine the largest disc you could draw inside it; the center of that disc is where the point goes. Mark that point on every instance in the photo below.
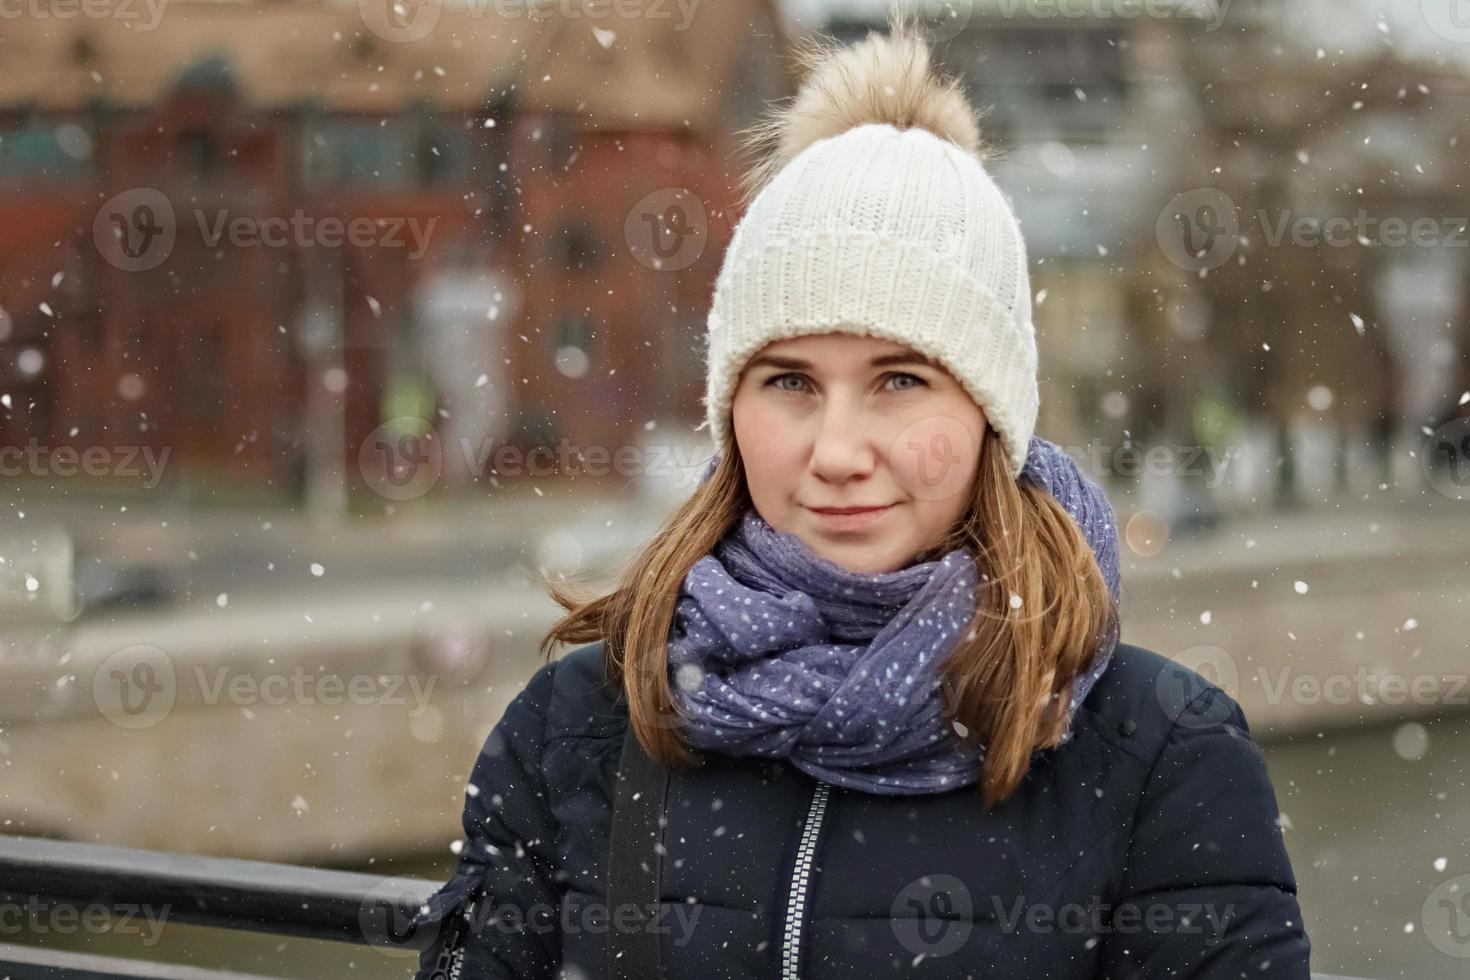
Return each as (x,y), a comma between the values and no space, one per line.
(920,382)
(802,382)
(773,381)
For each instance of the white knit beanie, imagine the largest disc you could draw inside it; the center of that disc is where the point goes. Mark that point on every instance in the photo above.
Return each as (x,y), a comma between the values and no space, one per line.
(875,216)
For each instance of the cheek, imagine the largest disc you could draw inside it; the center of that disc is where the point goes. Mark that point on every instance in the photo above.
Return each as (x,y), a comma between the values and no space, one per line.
(768,458)
(935,460)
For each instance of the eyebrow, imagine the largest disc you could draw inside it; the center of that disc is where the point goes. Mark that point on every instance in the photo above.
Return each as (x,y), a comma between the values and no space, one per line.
(884,360)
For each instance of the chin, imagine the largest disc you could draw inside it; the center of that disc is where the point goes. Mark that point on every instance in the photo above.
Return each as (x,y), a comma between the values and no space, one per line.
(863,560)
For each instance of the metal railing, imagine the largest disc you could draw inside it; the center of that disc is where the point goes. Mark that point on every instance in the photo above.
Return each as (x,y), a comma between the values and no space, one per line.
(255,896)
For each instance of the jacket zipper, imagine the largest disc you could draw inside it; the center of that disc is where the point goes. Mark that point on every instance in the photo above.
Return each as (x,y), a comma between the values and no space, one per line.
(451,956)
(806,852)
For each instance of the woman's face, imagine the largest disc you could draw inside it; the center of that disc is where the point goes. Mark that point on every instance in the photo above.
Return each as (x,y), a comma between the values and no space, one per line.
(836,422)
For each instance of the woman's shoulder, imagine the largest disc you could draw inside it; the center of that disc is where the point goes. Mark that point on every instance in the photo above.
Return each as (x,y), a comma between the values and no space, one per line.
(1144,698)
(583,702)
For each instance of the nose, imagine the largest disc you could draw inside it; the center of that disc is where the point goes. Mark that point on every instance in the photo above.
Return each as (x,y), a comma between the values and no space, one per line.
(844,448)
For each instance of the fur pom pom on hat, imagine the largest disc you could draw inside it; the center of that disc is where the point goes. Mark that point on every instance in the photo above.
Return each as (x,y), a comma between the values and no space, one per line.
(871,212)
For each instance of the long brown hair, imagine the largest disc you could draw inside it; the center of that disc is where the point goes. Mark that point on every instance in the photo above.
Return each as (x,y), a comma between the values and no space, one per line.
(1007,685)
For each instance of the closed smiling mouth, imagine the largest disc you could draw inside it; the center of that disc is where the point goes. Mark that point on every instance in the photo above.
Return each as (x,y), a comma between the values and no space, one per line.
(840,519)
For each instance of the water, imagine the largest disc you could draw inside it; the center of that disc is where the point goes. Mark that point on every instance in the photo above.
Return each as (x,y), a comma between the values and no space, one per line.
(1370,813)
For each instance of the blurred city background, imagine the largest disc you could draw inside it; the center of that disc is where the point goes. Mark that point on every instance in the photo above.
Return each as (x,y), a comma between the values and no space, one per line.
(326,328)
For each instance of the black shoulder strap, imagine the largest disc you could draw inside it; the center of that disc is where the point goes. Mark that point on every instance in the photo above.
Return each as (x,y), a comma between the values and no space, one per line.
(634,863)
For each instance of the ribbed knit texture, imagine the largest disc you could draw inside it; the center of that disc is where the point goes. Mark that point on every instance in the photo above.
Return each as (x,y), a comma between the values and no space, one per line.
(884,232)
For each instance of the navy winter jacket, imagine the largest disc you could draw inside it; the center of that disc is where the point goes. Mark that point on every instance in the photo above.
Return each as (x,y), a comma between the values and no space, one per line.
(1147,846)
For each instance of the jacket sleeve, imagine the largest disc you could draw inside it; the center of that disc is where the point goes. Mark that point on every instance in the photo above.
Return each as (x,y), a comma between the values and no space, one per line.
(499,916)
(1207,891)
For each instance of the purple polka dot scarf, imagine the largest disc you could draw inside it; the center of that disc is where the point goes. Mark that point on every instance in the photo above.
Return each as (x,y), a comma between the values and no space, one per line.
(777,652)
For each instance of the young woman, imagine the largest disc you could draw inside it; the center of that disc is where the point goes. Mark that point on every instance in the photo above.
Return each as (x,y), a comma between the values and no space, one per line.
(874,659)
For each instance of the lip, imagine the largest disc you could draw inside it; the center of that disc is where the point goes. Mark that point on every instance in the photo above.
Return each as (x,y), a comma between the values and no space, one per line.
(849,518)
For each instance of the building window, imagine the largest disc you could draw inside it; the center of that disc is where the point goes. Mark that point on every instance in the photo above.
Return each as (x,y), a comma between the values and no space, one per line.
(199,153)
(573,330)
(563,141)
(1046,82)
(536,426)
(42,151)
(135,340)
(574,246)
(203,399)
(364,151)
(444,152)
(572,339)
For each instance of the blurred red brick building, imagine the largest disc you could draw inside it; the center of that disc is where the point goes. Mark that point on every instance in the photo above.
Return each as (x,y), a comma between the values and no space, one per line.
(587,162)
